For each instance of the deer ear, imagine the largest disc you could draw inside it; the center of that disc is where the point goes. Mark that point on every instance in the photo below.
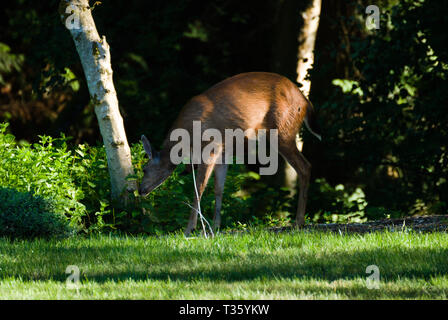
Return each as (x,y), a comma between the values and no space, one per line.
(147,146)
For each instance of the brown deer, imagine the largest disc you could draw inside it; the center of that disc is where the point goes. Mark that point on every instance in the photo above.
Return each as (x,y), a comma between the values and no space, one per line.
(255,100)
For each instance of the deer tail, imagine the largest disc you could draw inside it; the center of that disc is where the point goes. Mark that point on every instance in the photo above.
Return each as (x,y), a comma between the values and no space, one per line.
(311,121)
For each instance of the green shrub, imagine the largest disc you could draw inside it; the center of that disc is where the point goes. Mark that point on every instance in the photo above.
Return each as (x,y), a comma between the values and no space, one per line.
(76,182)
(167,208)
(23,215)
(45,169)
(78,185)
(336,204)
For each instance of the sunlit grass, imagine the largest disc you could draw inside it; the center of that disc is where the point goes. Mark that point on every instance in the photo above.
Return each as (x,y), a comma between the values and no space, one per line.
(256,265)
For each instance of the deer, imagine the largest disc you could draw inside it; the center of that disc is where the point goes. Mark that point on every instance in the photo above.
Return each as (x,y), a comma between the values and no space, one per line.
(253,100)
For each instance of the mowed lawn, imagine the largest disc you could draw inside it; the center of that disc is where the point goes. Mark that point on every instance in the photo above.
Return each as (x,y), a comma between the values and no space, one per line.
(254,265)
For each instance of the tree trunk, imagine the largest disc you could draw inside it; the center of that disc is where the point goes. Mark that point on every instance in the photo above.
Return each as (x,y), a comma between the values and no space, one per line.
(95,58)
(307,40)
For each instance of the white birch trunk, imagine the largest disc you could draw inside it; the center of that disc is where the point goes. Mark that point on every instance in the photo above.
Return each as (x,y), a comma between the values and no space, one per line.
(95,58)
(307,41)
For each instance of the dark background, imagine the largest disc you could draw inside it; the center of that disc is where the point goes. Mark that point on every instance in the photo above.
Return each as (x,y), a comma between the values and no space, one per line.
(390,142)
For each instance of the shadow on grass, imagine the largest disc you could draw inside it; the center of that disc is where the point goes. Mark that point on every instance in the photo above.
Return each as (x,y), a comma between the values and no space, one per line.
(109,263)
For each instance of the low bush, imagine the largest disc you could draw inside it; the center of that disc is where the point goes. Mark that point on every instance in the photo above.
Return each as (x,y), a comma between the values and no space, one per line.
(75,183)
(23,215)
(43,170)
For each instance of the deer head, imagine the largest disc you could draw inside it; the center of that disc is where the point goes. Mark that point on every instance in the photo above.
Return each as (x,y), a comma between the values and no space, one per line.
(156,170)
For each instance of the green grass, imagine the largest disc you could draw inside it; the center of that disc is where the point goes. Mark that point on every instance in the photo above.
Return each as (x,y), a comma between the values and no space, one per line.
(257,265)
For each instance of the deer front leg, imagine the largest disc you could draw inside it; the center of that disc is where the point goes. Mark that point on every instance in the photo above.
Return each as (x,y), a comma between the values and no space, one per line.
(220,179)
(204,172)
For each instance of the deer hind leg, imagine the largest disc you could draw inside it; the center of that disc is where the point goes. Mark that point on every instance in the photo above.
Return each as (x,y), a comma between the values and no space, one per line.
(220,179)
(303,169)
(202,177)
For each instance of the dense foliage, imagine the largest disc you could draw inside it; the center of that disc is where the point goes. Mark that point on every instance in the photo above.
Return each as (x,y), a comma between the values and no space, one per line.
(388,117)
(44,169)
(381,96)
(76,184)
(24,215)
